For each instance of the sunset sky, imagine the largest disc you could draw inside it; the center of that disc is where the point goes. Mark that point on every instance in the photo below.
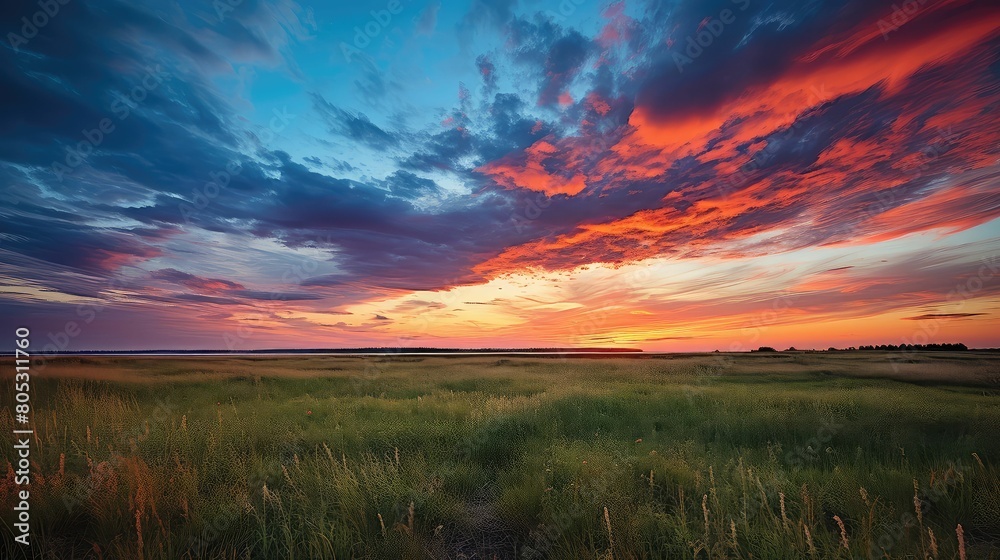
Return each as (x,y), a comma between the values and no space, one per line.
(674,176)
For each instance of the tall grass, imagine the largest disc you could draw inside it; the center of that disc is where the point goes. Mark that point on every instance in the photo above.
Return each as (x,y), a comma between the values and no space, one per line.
(526,458)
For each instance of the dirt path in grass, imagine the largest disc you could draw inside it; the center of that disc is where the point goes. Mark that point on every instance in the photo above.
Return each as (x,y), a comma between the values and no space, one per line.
(484,536)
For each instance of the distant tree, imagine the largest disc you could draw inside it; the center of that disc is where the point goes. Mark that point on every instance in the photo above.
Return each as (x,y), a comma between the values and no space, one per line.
(791,349)
(932,347)
(766,349)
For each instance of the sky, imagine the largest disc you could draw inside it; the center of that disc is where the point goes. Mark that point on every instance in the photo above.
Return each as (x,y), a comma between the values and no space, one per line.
(671,176)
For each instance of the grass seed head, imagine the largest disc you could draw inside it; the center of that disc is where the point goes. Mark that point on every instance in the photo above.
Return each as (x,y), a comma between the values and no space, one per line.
(961,541)
(843,532)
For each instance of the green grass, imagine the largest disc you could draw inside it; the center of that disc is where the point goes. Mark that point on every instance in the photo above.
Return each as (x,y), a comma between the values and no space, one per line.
(461,457)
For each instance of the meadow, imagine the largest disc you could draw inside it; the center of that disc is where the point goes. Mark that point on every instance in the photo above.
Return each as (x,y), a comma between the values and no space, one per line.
(762,455)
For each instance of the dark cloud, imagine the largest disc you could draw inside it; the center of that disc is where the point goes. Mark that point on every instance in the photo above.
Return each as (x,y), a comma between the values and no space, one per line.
(407,185)
(554,55)
(195,282)
(354,126)
(373,85)
(932,316)
(278,296)
(442,151)
(761,43)
(488,71)
(54,237)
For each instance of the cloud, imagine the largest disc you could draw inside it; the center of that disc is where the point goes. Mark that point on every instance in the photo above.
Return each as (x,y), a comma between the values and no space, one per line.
(194,282)
(729,166)
(554,54)
(427,20)
(354,126)
(488,71)
(800,125)
(416,306)
(407,185)
(932,316)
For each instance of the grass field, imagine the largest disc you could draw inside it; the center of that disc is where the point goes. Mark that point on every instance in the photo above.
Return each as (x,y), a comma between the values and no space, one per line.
(785,455)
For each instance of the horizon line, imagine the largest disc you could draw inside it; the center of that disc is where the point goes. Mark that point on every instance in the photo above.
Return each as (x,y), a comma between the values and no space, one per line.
(424,350)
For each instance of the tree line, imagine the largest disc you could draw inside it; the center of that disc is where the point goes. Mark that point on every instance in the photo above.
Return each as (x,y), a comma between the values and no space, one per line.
(933,347)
